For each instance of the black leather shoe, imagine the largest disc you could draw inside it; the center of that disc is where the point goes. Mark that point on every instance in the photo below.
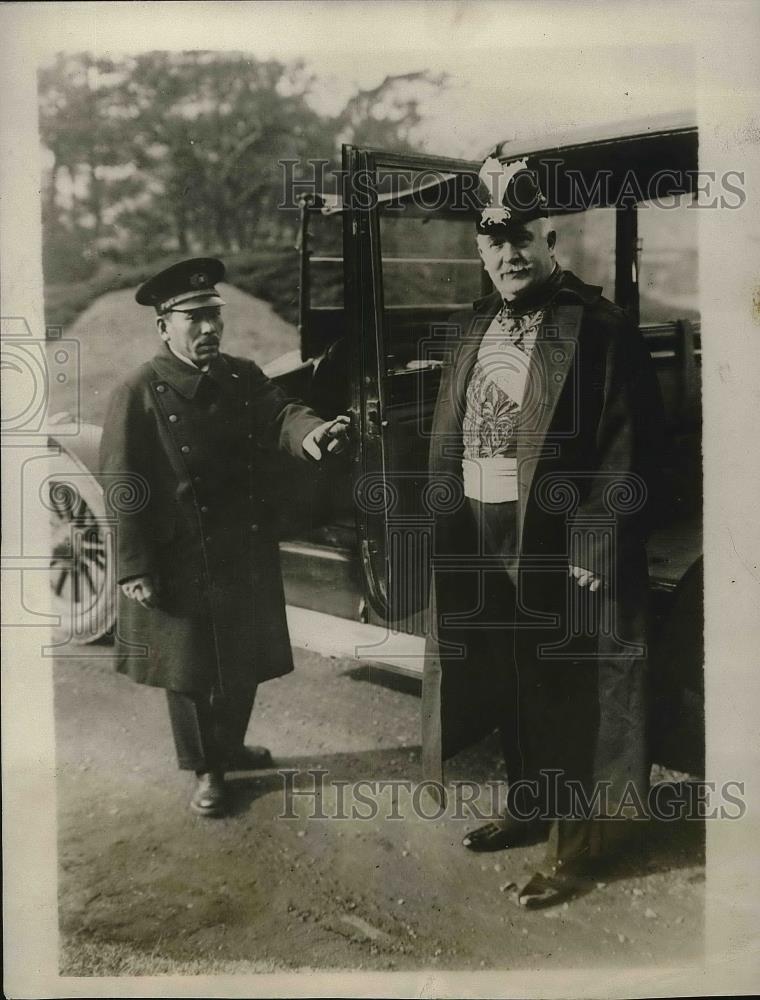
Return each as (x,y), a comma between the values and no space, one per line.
(503,834)
(251,758)
(559,884)
(210,796)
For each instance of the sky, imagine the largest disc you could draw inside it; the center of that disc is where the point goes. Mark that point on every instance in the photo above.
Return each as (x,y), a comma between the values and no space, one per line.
(513,68)
(493,94)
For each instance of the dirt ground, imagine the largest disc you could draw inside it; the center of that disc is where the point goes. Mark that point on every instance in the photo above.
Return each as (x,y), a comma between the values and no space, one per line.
(146,886)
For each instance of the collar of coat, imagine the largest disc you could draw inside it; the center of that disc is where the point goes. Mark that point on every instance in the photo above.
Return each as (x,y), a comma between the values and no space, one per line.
(564,287)
(565,298)
(186,379)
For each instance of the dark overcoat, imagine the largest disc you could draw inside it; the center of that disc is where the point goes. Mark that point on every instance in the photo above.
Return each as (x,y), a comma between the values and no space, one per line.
(590,432)
(186,481)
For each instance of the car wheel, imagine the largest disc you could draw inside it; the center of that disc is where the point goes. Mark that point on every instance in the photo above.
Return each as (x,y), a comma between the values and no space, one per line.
(81,556)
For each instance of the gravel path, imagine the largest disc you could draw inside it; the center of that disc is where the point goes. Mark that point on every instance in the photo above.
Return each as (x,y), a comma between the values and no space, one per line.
(140,875)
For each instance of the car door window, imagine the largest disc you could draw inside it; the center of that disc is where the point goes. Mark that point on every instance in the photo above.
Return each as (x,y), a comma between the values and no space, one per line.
(586,246)
(668,264)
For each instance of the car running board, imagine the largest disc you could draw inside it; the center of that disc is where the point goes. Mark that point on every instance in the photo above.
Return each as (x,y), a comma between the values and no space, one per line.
(339,637)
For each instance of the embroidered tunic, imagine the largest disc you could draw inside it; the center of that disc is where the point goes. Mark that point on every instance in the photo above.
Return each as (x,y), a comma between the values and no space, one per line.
(495,394)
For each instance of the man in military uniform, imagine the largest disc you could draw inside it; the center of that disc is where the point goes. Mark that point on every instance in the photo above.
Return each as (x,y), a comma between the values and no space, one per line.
(550,420)
(201,605)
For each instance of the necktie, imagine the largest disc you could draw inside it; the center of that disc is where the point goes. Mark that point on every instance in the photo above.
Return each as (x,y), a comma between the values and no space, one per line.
(512,327)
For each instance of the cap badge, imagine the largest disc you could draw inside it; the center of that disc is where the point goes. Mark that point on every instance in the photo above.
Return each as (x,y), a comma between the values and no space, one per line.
(495,216)
(198,280)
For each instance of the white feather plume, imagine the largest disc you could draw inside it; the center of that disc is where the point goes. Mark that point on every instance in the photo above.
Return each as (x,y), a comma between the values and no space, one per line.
(496,176)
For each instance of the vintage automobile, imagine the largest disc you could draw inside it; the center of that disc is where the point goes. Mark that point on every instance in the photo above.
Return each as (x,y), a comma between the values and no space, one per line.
(382,265)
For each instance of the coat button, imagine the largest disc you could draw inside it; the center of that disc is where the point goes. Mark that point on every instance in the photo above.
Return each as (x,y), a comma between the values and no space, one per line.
(185,449)
(208,538)
(254,527)
(197,479)
(173,418)
(160,387)
(204,510)
(247,403)
(250,437)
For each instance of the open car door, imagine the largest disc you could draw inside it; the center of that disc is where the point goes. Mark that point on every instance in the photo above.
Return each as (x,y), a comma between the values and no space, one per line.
(411,262)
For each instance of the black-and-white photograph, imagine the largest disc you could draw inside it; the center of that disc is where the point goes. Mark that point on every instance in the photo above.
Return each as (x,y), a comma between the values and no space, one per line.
(353,366)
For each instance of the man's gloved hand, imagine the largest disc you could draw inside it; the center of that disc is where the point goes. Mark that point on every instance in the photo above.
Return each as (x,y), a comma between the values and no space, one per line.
(333,434)
(585,576)
(142,589)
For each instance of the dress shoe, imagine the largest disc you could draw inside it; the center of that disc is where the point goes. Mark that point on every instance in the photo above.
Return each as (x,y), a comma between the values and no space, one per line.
(251,758)
(503,834)
(561,882)
(210,796)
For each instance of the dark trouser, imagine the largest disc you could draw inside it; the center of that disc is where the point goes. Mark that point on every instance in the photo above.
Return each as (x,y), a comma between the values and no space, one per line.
(208,729)
(497,527)
(528,710)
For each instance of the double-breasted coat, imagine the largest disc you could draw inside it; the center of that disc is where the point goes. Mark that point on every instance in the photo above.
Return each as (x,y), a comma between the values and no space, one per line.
(185,477)
(588,484)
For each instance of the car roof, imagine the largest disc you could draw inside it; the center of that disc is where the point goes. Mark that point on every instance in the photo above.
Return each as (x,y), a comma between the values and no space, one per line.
(644,146)
(330,204)
(625,130)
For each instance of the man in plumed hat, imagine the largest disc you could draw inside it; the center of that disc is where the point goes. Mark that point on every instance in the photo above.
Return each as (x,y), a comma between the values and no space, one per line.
(550,420)
(201,608)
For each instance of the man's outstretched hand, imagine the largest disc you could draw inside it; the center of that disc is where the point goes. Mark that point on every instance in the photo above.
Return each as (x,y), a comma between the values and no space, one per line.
(332,436)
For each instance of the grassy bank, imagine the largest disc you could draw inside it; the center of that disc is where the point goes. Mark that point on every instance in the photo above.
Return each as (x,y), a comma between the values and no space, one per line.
(271,275)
